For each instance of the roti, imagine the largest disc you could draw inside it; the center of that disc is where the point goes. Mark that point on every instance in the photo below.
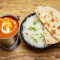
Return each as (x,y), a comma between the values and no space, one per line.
(48,38)
(50,17)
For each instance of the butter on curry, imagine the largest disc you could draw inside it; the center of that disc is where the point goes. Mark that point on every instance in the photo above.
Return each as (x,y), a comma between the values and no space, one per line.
(8,27)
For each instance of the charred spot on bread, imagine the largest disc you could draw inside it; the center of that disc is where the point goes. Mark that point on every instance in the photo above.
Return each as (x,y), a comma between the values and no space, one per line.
(52,20)
(51,13)
(58,27)
(53,32)
(57,21)
(47,24)
(55,17)
(53,26)
(38,14)
(44,16)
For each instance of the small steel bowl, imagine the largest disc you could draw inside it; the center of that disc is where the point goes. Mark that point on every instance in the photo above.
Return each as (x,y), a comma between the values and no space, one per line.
(12,42)
(21,29)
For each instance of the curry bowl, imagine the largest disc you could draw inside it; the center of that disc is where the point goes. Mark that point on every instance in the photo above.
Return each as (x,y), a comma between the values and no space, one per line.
(11,42)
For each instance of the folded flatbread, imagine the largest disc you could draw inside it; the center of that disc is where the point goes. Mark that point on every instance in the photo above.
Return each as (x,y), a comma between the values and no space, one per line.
(48,38)
(50,17)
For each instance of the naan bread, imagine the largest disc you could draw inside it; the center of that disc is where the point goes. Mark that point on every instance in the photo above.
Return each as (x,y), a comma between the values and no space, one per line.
(48,38)
(50,17)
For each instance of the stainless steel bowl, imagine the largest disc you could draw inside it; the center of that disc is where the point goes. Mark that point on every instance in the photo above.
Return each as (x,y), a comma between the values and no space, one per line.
(11,42)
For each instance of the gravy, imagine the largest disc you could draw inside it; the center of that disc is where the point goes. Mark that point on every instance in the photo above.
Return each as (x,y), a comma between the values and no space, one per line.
(8,27)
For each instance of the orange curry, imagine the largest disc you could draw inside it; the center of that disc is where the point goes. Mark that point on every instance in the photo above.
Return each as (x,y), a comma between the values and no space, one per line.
(8,27)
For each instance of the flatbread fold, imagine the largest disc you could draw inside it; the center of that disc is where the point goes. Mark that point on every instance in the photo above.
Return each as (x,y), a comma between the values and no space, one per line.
(50,17)
(48,38)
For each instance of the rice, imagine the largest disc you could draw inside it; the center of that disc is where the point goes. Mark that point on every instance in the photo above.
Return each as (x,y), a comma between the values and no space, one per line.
(33,32)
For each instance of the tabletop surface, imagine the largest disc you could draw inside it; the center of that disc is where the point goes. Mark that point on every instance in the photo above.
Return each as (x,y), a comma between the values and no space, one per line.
(23,8)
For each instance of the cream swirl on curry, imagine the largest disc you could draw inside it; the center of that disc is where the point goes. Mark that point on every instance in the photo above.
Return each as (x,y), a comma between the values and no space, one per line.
(8,27)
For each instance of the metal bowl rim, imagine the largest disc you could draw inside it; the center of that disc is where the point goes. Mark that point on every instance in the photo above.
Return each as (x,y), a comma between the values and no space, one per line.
(16,20)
